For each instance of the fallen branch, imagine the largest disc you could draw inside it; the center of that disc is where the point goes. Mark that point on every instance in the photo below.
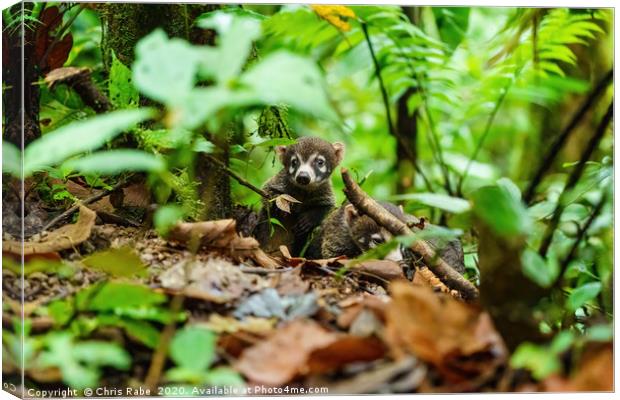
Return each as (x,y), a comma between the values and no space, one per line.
(238,178)
(438,266)
(84,202)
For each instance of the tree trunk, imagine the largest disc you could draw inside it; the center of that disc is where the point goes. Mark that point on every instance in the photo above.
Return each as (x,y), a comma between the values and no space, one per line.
(15,105)
(407,129)
(124,24)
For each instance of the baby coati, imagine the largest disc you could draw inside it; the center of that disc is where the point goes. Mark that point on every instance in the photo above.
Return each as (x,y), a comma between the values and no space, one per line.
(308,165)
(348,232)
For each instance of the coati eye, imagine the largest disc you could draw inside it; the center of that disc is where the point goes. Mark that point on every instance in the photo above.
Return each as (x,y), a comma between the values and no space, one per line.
(320,162)
(294,162)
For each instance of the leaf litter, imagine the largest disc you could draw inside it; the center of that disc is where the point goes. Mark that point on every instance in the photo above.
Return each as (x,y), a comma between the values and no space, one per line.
(354,327)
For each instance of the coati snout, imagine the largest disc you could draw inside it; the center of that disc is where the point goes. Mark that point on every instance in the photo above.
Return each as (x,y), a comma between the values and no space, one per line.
(310,161)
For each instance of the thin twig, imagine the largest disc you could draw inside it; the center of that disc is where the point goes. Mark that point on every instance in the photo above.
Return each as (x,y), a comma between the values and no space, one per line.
(161,353)
(487,129)
(580,235)
(435,145)
(388,112)
(238,178)
(573,178)
(554,149)
(84,202)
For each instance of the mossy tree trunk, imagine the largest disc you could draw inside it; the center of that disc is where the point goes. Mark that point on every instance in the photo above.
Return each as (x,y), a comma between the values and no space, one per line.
(123,26)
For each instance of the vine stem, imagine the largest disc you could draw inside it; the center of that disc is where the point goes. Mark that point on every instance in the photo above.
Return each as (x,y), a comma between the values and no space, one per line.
(554,149)
(580,235)
(573,178)
(386,104)
(487,129)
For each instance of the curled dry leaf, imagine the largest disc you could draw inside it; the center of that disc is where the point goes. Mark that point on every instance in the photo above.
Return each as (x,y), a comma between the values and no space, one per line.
(221,324)
(458,339)
(65,237)
(220,234)
(384,269)
(284,201)
(217,280)
(303,347)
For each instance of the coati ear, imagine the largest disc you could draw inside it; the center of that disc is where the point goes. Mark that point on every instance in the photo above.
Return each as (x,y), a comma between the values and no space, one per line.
(280,151)
(339,151)
(350,214)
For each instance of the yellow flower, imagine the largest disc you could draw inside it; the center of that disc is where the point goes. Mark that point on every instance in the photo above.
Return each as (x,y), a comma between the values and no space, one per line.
(335,15)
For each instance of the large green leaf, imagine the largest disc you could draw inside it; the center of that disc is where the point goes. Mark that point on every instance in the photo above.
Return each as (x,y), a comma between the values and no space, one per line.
(498,208)
(122,92)
(166,69)
(11,159)
(286,78)
(437,200)
(113,162)
(543,272)
(87,135)
(537,359)
(193,348)
(452,24)
(583,294)
(234,41)
(112,296)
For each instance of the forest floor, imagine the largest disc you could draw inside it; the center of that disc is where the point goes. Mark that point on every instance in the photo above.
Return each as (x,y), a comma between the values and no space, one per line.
(348,327)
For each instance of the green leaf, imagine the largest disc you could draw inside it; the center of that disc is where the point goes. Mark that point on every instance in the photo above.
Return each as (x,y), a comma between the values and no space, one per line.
(123,261)
(562,342)
(79,362)
(117,295)
(510,186)
(537,359)
(11,159)
(54,147)
(600,333)
(202,145)
(141,331)
(183,374)
(102,354)
(193,348)
(499,209)
(537,269)
(448,203)
(452,24)
(157,72)
(61,311)
(122,92)
(583,294)
(234,41)
(113,162)
(225,377)
(282,77)
(166,217)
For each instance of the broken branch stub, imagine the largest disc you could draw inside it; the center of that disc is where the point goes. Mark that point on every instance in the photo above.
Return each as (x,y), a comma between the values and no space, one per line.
(436,264)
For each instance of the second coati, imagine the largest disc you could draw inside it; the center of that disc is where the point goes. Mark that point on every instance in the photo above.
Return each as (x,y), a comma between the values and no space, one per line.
(306,176)
(346,231)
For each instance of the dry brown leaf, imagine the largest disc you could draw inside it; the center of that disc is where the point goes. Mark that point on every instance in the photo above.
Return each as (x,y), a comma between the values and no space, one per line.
(65,237)
(457,338)
(284,355)
(284,201)
(221,324)
(345,350)
(304,347)
(217,280)
(596,370)
(385,269)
